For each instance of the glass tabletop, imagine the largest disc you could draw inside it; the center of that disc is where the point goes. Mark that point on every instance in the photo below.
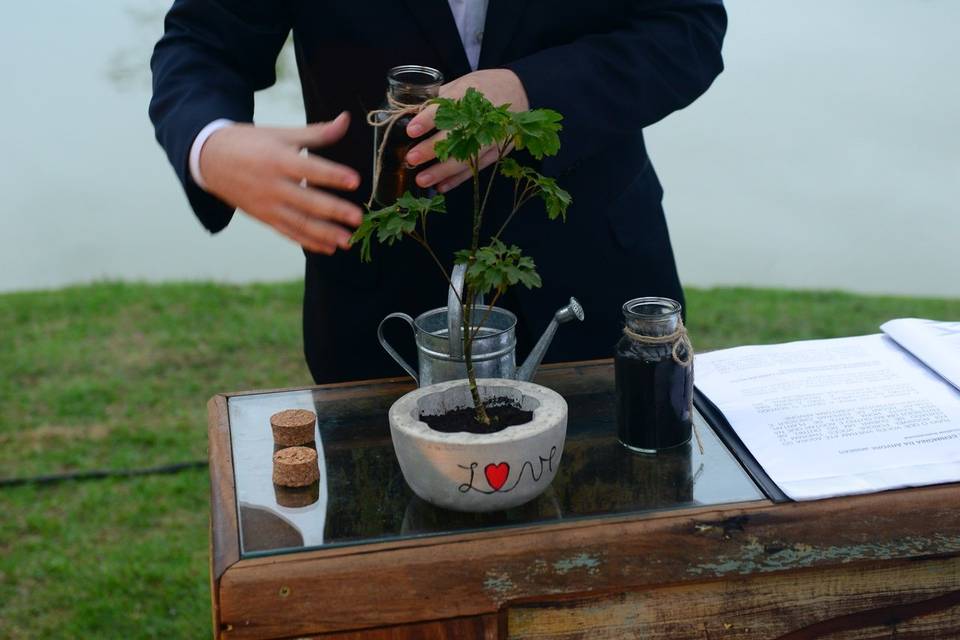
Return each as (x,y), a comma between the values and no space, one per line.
(362,497)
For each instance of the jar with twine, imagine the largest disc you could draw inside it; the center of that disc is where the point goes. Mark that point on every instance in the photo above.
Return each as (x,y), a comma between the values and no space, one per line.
(409,87)
(654,376)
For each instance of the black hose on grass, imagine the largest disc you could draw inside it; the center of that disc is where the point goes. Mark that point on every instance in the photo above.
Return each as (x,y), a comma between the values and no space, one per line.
(96,474)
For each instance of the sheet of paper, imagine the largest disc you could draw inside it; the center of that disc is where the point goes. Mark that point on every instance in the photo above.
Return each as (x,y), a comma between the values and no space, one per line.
(837,417)
(937,344)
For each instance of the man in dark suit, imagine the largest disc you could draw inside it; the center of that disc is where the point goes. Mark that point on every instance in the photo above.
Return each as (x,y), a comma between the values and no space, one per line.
(611,67)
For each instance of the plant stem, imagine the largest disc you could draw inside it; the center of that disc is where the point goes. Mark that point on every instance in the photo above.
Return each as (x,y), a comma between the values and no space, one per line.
(486,315)
(467,316)
(467,307)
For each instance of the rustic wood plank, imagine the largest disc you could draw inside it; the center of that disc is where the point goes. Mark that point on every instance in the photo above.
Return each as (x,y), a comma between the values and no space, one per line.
(488,627)
(881,600)
(224,530)
(223,502)
(475,576)
(552,528)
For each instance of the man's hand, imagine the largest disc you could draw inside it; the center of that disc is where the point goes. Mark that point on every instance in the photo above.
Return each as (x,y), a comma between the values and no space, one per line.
(499,86)
(261,170)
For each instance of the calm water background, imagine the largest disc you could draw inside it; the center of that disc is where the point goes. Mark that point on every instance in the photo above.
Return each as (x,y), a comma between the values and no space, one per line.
(826,156)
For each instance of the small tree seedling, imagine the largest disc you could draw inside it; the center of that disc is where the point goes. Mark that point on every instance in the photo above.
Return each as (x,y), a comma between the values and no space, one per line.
(473,125)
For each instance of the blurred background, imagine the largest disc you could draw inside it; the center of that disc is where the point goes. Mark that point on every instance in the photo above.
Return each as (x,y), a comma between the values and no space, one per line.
(813,192)
(827,155)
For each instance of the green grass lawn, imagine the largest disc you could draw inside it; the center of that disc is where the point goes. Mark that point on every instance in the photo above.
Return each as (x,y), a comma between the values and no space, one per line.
(117,376)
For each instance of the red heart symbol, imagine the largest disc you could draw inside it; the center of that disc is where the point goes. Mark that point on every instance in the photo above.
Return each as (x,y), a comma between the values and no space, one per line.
(497,474)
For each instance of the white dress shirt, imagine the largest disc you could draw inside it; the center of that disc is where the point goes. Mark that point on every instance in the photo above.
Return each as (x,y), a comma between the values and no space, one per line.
(469,15)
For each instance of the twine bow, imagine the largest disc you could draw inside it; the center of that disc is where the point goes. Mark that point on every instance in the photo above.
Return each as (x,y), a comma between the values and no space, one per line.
(678,338)
(386,118)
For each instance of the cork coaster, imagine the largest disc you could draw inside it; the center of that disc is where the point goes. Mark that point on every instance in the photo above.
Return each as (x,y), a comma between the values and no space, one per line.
(295,467)
(293,427)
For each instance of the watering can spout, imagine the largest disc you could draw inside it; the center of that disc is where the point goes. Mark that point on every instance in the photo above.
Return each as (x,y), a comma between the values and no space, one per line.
(572,311)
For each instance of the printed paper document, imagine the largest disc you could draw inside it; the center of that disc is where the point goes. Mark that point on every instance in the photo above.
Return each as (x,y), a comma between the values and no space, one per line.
(937,344)
(837,417)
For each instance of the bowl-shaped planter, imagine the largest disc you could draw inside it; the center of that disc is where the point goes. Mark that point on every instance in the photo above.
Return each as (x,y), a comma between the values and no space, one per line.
(479,472)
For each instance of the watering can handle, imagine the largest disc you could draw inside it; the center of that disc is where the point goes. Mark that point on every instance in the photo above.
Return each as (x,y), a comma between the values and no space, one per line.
(393,352)
(454,316)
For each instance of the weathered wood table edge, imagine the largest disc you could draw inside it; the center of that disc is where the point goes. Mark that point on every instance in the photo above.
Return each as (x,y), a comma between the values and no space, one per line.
(540,581)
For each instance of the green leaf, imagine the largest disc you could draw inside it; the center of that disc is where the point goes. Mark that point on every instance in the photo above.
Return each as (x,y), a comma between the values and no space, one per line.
(536,131)
(436,204)
(363,235)
(457,145)
(395,227)
(510,168)
(472,122)
(555,199)
(497,267)
(392,223)
(462,257)
(449,114)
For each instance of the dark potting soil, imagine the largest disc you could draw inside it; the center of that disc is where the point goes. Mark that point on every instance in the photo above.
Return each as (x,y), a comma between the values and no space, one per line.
(502,412)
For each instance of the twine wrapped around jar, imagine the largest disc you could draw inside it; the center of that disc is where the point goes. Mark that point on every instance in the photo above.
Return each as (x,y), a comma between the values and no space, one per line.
(386,118)
(678,338)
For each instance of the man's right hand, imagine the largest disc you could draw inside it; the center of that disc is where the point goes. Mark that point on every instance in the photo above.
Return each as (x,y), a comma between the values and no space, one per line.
(261,171)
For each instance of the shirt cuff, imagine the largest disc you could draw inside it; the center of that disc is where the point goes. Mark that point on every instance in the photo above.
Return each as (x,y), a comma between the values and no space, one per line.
(197,147)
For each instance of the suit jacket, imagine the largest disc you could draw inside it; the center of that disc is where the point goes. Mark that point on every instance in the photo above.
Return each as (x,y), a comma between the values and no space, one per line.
(611,67)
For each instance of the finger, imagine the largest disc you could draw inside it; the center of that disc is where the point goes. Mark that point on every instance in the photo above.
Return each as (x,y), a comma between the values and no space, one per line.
(296,226)
(456,179)
(316,231)
(422,122)
(320,134)
(321,172)
(439,172)
(424,151)
(321,205)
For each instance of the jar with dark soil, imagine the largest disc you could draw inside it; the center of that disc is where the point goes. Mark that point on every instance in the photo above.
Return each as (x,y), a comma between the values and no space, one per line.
(654,377)
(407,86)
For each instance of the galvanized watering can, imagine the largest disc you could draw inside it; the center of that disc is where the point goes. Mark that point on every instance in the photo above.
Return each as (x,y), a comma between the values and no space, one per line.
(438,335)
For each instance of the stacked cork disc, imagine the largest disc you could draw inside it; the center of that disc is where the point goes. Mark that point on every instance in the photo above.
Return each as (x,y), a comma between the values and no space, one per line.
(293,427)
(296,471)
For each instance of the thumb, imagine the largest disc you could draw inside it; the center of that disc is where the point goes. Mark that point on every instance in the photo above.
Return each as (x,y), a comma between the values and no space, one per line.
(323,134)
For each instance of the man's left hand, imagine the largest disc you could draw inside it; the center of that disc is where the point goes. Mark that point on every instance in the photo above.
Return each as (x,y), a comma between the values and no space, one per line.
(500,86)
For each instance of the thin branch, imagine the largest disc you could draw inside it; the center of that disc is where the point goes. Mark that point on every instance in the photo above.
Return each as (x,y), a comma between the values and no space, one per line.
(496,236)
(501,152)
(516,188)
(423,243)
(486,315)
(529,191)
(423,226)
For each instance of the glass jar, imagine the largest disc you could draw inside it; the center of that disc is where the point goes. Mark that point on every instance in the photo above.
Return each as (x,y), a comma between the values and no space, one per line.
(654,376)
(407,86)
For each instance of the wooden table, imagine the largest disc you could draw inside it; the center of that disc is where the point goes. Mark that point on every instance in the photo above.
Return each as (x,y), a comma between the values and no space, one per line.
(674,546)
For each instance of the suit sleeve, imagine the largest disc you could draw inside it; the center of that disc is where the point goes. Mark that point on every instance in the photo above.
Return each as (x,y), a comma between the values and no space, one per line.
(611,85)
(213,56)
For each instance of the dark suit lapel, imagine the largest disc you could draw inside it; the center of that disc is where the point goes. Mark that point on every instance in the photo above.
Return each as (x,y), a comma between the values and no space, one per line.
(503,17)
(439,29)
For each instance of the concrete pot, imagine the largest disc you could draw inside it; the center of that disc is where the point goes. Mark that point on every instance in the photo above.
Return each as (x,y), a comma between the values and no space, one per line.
(473,472)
